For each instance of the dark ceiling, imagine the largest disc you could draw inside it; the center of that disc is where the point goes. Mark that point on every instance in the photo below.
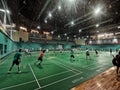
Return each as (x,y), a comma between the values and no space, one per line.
(31,13)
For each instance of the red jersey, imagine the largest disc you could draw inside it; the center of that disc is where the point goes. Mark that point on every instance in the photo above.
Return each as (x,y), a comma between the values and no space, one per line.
(41,54)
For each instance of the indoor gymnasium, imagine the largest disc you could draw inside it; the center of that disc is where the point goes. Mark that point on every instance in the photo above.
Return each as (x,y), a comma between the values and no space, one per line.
(59,44)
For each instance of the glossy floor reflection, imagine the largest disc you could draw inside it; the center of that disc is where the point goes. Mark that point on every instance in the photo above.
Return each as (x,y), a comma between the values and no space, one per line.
(104,81)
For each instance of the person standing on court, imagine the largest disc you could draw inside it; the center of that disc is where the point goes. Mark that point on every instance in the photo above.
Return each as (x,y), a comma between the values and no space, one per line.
(72,55)
(96,52)
(110,51)
(40,58)
(116,62)
(87,54)
(17,60)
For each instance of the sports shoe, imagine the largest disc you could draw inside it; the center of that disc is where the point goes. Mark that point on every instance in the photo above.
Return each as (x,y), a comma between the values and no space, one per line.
(19,72)
(9,72)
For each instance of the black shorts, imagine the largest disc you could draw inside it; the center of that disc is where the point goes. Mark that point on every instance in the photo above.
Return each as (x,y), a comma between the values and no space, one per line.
(87,54)
(114,63)
(72,56)
(40,59)
(17,62)
(118,65)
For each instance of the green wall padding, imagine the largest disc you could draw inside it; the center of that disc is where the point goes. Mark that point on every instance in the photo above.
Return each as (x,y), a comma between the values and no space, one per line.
(8,45)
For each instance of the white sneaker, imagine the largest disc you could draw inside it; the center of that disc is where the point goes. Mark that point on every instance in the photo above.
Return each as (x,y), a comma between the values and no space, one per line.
(9,72)
(19,71)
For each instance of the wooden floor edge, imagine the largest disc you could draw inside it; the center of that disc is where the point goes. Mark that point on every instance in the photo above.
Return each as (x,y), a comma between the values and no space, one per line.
(100,81)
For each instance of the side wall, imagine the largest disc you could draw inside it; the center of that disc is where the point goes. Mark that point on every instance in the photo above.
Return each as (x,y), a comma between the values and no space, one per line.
(6,45)
(99,47)
(42,45)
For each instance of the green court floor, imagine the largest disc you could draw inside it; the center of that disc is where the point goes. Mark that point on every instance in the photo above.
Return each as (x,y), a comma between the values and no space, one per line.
(57,72)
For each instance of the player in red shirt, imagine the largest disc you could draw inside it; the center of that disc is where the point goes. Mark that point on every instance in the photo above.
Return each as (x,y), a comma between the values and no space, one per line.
(40,57)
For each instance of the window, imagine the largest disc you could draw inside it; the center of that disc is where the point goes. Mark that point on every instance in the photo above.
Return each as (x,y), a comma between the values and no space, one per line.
(5,48)
(1,49)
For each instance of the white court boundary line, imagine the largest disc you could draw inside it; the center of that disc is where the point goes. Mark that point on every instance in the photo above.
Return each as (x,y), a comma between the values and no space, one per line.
(2,62)
(17,85)
(92,64)
(103,65)
(33,81)
(69,67)
(58,81)
(54,75)
(34,76)
(64,67)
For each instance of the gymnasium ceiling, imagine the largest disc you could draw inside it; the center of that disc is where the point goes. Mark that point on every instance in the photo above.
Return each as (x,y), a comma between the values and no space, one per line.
(76,18)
